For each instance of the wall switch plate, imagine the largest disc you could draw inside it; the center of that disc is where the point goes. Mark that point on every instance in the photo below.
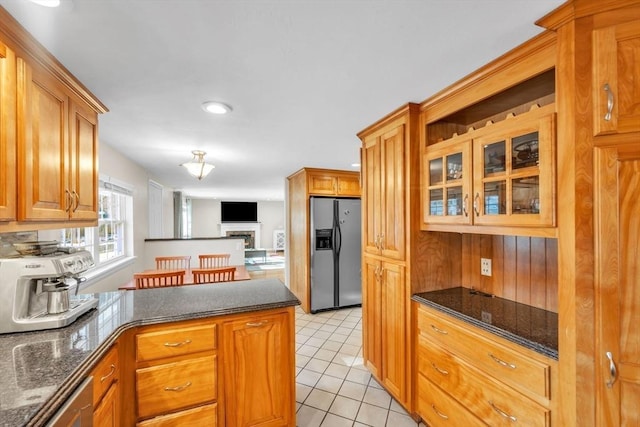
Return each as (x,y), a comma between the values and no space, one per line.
(485,266)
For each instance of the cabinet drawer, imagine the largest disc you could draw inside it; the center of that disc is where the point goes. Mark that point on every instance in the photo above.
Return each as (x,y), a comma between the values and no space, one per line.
(105,373)
(165,388)
(437,408)
(488,399)
(202,416)
(175,342)
(106,413)
(497,360)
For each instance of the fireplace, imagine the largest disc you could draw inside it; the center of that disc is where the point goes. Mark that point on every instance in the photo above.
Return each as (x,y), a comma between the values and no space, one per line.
(249,231)
(248,236)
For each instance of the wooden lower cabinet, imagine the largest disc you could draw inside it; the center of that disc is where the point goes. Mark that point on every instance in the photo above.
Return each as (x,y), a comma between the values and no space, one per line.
(107,413)
(437,408)
(384,325)
(258,370)
(106,390)
(206,415)
(233,370)
(174,386)
(464,375)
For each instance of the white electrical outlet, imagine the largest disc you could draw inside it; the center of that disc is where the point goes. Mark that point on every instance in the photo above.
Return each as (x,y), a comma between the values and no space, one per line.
(485,266)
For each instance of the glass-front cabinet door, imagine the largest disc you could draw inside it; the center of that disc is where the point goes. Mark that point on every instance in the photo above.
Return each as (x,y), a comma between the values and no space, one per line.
(447,182)
(514,176)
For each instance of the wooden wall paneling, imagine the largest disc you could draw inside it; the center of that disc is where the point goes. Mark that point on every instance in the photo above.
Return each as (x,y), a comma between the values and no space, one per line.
(538,272)
(437,261)
(466,260)
(509,265)
(551,262)
(523,270)
(497,265)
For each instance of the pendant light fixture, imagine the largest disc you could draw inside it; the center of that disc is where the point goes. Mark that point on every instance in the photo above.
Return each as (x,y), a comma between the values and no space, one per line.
(197,166)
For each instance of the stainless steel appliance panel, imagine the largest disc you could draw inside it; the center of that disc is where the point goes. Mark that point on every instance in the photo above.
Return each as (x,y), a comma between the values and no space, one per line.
(350,243)
(322,272)
(335,253)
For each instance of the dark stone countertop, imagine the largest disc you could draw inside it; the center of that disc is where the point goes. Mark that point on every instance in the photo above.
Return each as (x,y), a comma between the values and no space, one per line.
(528,326)
(41,369)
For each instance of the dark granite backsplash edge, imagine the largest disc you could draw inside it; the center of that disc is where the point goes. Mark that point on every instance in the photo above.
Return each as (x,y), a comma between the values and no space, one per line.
(532,345)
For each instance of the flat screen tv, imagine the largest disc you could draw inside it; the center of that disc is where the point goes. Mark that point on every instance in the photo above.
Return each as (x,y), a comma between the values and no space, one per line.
(239,211)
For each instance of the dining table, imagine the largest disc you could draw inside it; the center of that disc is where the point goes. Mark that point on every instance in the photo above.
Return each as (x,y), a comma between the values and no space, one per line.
(240,274)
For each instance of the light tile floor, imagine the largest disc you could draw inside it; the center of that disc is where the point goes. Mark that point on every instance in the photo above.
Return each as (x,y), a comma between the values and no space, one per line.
(333,388)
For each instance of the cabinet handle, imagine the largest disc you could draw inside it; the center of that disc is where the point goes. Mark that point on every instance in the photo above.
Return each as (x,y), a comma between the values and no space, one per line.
(476,204)
(177,344)
(442,371)
(376,241)
(502,362)
(75,196)
(113,370)
(440,414)
(68,200)
(382,241)
(438,330)
(613,372)
(178,388)
(257,324)
(607,89)
(465,204)
(502,413)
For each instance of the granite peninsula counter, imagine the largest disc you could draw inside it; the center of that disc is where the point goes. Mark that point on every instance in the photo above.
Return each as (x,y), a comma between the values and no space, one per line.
(40,370)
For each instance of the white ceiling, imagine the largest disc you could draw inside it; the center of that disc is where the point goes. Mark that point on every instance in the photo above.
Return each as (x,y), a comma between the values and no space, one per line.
(303,76)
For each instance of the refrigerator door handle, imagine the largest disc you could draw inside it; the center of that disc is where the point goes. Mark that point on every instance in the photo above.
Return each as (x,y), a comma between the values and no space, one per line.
(337,238)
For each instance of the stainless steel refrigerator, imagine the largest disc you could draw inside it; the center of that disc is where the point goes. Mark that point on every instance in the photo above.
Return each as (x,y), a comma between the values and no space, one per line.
(335,253)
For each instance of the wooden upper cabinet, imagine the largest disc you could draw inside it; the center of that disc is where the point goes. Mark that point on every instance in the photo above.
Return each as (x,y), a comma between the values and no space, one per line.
(501,175)
(384,183)
(83,138)
(8,183)
(330,183)
(514,172)
(58,153)
(448,177)
(616,86)
(43,145)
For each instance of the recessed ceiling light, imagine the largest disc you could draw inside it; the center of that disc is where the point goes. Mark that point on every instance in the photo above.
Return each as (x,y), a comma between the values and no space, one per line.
(47,3)
(215,107)
(355,165)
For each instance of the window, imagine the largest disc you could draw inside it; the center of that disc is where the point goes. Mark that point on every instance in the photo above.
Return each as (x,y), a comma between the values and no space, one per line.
(111,238)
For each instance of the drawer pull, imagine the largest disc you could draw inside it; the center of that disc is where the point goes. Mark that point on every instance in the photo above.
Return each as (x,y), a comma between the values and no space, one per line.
(178,388)
(613,372)
(442,371)
(177,344)
(440,414)
(502,362)
(256,324)
(438,330)
(502,413)
(609,92)
(113,370)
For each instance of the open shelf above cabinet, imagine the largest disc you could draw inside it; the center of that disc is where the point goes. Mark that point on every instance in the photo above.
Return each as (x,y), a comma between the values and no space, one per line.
(538,90)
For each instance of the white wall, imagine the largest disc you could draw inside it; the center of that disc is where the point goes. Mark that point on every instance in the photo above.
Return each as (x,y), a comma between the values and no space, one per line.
(205,221)
(119,167)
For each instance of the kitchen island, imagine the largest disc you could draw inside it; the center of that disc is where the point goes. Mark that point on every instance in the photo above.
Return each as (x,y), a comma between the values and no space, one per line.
(40,370)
